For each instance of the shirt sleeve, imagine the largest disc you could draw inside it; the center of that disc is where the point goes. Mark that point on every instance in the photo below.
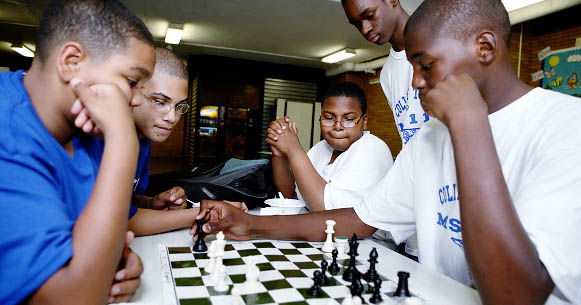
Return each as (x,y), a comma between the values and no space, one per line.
(389,205)
(366,166)
(35,229)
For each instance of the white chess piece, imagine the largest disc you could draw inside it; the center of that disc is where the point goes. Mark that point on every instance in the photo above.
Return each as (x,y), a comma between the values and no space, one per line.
(347,300)
(357,300)
(212,255)
(217,264)
(252,275)
(236,299)
(341,243)
(221,285)
(220,242)
(328,246)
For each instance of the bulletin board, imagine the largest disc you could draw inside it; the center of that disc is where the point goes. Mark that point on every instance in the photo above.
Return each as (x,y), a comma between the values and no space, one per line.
(562,69)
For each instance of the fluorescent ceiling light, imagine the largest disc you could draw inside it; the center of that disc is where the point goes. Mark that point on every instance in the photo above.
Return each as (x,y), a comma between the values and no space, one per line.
(513,5)
(339,56)
(22,50)
(174,33)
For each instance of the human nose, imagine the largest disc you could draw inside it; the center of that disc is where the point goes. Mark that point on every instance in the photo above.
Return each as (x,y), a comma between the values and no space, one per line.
(338,126)
(366,27)
(136,98)
(171,116)
(418,80)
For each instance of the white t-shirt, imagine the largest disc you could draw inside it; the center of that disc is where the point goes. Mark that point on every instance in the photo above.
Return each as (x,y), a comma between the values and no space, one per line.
(396,82)
(354,172)
(538,141)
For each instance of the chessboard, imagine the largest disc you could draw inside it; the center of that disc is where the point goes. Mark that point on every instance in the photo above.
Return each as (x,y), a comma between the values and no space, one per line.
(286,274)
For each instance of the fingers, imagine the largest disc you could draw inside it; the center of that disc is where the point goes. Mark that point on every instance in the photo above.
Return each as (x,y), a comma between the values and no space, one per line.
(132,269)
(123,291)
(178,195)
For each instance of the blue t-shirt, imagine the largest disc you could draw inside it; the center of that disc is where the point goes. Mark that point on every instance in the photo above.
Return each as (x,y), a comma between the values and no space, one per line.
(42,192)
(96,148)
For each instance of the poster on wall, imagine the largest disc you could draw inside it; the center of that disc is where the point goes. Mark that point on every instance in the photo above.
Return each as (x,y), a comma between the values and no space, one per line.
(562,69)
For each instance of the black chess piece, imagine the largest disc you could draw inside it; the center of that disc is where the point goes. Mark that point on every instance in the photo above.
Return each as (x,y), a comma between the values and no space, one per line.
(402,285)
(352,271)
(200,245)
(334,267)
(315,290)
(356,286)
(376,297)
(325,279)
(371,274)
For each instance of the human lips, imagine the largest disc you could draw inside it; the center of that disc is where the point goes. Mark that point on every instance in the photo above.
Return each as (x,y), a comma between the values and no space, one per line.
(164,129)
(373,39)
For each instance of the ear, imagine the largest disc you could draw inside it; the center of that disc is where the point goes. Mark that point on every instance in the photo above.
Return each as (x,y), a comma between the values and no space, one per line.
(486,47)
(69,59)
(364,120)
(393,3)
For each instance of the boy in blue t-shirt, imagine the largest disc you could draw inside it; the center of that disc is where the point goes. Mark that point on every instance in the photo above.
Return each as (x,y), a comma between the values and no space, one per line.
(63,224)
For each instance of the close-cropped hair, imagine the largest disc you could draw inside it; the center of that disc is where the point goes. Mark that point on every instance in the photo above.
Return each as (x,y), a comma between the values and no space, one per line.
(102,27)
(167,62)
(461,19)
(348,89)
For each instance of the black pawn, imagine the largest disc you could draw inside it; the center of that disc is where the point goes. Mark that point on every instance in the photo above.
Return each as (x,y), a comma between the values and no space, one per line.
(325,278)
(376,297)
(402,285)
(371,274)
(334,267)
(352,271)
(315,290)
(200,245)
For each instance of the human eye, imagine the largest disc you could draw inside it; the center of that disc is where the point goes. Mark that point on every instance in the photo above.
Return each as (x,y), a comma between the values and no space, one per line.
(426,67)
(132,83)
(159,103)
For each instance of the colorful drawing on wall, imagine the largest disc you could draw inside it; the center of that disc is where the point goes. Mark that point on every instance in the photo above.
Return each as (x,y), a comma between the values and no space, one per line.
(562,69)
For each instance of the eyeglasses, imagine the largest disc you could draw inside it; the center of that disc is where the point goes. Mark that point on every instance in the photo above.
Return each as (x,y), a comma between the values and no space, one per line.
(347,123)
(165,107)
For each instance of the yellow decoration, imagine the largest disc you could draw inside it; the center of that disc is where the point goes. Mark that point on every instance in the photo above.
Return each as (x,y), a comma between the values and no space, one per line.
(554,61)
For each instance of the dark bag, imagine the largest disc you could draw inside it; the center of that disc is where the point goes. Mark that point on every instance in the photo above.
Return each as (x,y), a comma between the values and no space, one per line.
(249,181)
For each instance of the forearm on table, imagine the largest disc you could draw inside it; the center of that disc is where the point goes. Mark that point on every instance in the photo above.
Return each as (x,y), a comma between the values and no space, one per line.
(506,267)
(148,222)
(310,226)
(140,201)
(309,182)
(98,234)
(283,177)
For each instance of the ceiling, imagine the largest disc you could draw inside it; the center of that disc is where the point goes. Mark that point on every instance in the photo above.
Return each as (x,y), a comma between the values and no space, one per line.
(296,32)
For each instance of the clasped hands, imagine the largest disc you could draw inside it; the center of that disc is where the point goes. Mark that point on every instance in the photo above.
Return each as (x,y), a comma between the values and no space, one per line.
(282,136)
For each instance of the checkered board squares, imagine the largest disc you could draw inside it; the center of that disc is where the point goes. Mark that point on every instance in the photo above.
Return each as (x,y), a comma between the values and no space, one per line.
(286,272)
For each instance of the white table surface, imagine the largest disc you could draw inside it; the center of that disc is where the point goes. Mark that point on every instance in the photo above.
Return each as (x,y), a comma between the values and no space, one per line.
(432,286)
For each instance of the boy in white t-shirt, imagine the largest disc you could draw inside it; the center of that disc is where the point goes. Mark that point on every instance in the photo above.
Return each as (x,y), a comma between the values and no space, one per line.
(492,187)
(338,171)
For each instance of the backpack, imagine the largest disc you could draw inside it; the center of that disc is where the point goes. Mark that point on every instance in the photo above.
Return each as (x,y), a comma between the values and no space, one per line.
(249,181)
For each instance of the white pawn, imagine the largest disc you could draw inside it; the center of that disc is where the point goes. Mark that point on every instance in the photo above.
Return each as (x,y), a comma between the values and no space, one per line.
(221,286)
(328,246)
(252,276)
(348,300)
(341,243)
(212,255)
(236,299)
(357,300)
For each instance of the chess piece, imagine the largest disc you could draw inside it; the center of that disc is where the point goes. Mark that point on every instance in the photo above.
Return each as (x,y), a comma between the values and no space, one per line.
(221,285)
(347,300)
(236,299)
(212,255)
(252,276)
(371,274)
(356,286)
(402,285)
(315,290)
(200,245)
(351,271)
(218,263)
(340,243)
(334,267)
(325,279)
(376,297)
(328,246)
(357,300)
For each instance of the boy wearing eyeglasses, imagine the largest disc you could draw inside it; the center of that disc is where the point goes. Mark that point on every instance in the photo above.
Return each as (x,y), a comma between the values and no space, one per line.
(339,170)
(164,101)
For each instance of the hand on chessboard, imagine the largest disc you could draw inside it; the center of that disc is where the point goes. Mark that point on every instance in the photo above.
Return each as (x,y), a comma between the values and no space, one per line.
(127,278)
(174,199)
(223,216)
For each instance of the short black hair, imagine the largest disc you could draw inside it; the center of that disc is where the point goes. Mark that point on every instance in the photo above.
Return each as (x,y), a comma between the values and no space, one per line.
(102,27)
(348,89)
(461,18)
(167,62)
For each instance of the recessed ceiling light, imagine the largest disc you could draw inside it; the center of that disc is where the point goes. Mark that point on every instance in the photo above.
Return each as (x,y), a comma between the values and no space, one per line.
(22,50)
(339,56)
(174,33)
(513,5)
